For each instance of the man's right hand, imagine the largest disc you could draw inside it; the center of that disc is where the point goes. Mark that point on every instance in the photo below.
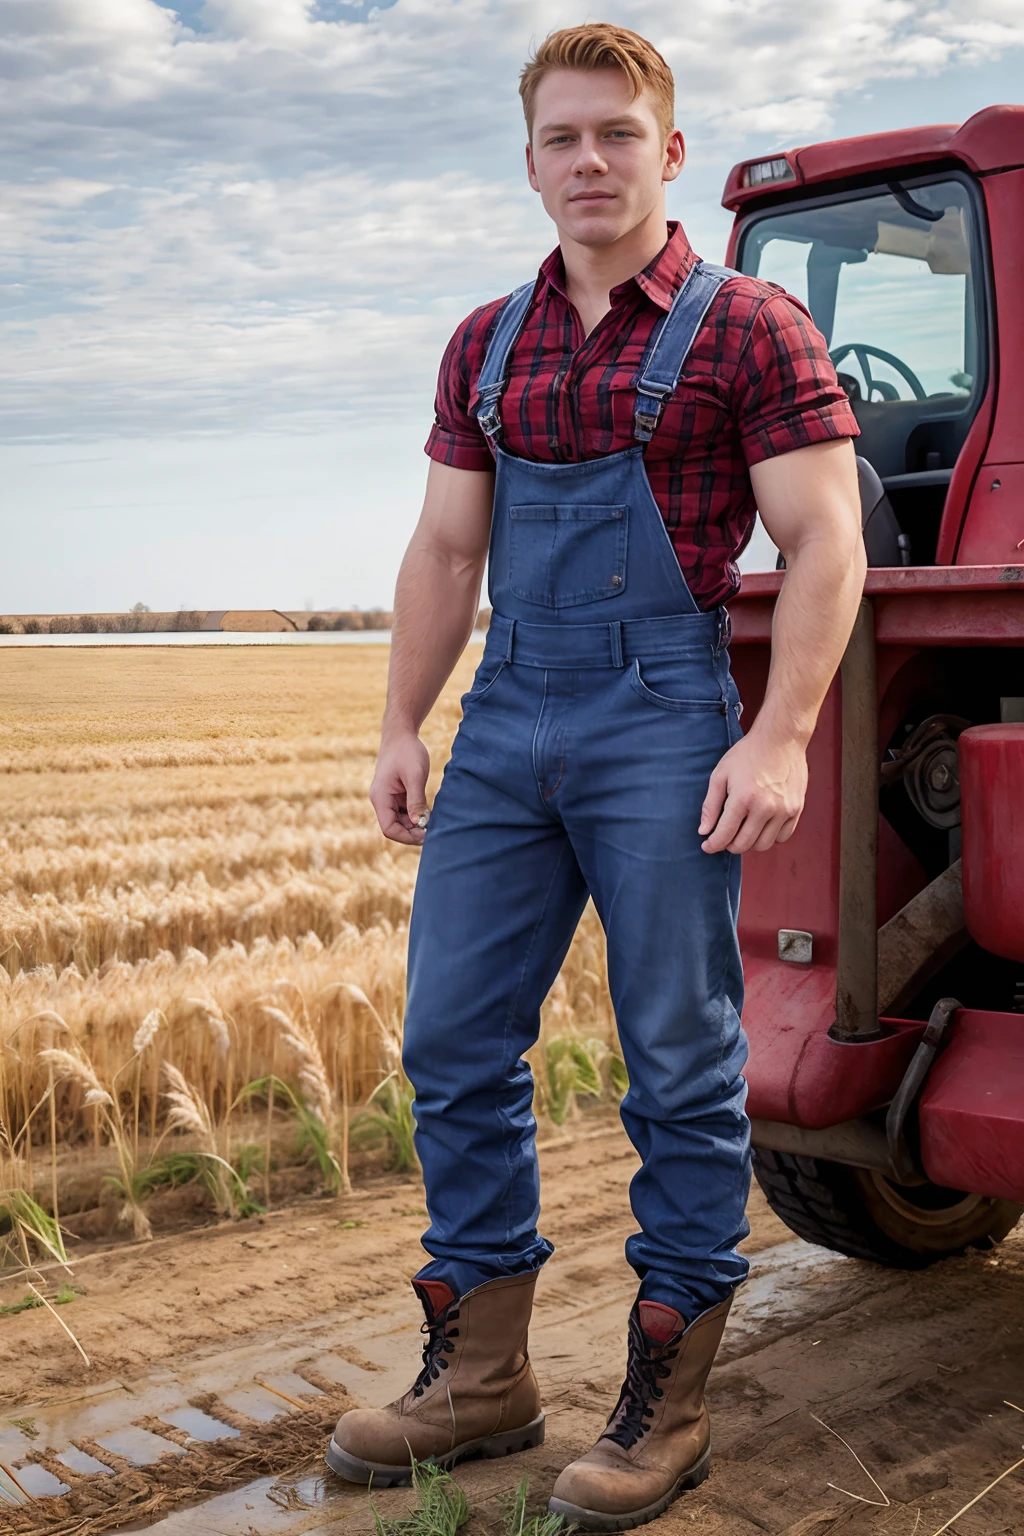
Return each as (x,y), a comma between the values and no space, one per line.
(399,790)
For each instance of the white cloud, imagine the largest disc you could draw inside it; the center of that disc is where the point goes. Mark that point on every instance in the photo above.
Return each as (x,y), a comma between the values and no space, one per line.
(277,219)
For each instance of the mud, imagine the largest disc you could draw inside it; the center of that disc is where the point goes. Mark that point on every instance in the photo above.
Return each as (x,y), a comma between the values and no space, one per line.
(219,1360)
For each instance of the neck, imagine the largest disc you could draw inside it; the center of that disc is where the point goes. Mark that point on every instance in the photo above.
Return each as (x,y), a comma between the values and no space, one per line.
(591,272)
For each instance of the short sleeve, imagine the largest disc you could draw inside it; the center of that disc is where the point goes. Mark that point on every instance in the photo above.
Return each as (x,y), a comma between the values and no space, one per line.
(456,438)
(786,394)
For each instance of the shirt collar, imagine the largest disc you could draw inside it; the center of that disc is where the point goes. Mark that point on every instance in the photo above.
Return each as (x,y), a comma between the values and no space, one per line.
(660,280)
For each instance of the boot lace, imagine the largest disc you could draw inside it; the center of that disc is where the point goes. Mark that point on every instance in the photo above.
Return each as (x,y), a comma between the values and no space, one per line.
(646,1366)
(439,1343)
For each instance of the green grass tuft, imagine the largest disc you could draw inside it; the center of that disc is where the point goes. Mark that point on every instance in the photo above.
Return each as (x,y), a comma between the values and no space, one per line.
(26,1304)
(442,1511)
(388,1117)
(313,1135)
(23,1221)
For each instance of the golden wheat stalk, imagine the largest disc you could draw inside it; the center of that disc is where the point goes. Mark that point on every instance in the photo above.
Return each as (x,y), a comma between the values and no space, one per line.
(297,1036)
(188,1111)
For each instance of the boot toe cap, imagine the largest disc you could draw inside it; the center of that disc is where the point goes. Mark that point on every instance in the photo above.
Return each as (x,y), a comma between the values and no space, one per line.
(600,1485)
(373,1436)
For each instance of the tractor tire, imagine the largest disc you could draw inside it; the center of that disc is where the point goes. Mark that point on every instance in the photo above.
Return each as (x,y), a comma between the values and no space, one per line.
(862,1213)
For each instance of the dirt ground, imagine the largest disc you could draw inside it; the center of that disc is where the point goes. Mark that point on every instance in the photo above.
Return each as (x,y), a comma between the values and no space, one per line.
(274,1325)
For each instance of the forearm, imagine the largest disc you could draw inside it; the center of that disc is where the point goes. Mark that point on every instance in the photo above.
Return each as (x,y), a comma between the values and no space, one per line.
(813,619)
(436,600)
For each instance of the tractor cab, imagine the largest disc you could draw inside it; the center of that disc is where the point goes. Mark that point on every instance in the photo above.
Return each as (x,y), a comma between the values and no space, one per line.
(887,273)
(892,256)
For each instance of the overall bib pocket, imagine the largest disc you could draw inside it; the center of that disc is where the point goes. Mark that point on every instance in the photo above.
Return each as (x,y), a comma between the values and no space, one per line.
(564,555)
(677,685)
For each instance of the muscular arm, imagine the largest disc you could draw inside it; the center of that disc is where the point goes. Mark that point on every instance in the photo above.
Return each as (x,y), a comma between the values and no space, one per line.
(436,602)
(809,503)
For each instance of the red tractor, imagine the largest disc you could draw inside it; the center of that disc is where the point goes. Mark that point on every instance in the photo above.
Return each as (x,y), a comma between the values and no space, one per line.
(884,943)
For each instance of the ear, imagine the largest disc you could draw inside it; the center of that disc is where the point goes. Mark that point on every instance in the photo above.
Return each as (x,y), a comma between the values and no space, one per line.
(530,169)
(675,156)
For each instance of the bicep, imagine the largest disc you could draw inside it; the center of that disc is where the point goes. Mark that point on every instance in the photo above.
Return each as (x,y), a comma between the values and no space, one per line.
(809,493)
(456,519)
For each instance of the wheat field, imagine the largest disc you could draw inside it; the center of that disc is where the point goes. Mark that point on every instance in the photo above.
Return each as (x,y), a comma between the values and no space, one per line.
(195,897)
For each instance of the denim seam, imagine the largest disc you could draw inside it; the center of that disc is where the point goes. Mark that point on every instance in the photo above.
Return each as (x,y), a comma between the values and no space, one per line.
(727,864)
(533,753)
(514,1167)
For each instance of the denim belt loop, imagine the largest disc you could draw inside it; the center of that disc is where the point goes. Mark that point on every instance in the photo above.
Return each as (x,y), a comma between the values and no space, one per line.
(615,637)
(511,638)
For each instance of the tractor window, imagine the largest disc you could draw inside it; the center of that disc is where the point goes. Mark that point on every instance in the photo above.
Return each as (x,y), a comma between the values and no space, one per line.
(888,281)
(891,279)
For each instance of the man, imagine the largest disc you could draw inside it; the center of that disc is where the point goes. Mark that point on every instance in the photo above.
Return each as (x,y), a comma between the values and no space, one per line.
(612,482)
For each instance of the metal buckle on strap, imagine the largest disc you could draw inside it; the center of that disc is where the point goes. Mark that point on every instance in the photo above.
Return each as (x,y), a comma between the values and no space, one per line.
(488,414)
(650,399)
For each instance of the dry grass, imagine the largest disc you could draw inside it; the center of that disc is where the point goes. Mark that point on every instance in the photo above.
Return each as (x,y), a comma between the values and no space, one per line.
(192,883)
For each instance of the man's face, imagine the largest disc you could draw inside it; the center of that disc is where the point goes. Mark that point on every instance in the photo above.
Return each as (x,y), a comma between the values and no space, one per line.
(598,159)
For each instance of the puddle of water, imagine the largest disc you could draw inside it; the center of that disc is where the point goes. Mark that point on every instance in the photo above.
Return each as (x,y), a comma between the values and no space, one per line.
(80,1461)
(14,1444)
(199,1425)
(98,1414)
(139,1446)
(257,1403)
(38,1483)
(270,1507)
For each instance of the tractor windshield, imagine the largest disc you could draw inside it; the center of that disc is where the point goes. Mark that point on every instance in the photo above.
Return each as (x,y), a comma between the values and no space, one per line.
(890,277)
(888,280)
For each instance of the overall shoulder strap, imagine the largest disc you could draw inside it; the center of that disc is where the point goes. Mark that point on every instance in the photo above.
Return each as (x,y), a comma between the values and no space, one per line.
(493,374)
(673,338)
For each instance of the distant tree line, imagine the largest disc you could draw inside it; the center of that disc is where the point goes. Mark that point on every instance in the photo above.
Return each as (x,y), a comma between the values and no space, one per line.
(139,621)
(372,618)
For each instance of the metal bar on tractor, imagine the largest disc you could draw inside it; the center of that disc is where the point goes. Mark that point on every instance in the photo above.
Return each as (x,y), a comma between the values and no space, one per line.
(857,959)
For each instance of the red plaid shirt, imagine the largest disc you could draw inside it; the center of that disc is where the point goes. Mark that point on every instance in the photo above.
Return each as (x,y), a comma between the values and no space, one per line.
(758,382)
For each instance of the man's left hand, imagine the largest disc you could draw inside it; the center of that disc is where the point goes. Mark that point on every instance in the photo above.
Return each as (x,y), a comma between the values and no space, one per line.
(755,796)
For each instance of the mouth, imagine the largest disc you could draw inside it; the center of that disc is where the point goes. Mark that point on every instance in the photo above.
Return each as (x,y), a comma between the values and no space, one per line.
(592,197)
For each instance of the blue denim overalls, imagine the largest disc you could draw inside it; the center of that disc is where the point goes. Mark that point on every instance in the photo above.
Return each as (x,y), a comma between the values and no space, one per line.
(601,705)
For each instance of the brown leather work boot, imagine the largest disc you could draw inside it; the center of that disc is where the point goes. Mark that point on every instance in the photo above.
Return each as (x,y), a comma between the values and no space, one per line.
(475,1396)
(658,1441)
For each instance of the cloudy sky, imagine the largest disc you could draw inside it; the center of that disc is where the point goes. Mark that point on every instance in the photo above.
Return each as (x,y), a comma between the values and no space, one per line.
(236,234)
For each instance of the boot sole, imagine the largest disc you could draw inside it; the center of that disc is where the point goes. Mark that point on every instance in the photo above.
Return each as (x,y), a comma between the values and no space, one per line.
(508,1443)
(596,1520)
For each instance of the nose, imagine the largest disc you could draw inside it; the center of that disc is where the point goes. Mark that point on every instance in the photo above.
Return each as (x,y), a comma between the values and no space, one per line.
(589,160)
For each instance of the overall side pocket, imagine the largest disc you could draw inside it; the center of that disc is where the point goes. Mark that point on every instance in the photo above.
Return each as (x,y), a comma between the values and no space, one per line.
(674,674)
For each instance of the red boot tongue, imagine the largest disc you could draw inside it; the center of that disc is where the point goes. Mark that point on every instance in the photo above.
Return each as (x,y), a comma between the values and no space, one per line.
(435,1296)
(660,1322)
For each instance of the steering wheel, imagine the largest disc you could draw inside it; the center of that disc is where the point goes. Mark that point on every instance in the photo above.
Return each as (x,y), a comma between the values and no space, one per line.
(862,350)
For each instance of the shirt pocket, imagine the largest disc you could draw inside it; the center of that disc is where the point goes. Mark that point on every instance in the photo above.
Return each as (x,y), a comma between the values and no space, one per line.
(693,425)
(562,554)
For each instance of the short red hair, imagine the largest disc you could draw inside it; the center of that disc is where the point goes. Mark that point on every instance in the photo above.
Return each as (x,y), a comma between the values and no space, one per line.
(600,45)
